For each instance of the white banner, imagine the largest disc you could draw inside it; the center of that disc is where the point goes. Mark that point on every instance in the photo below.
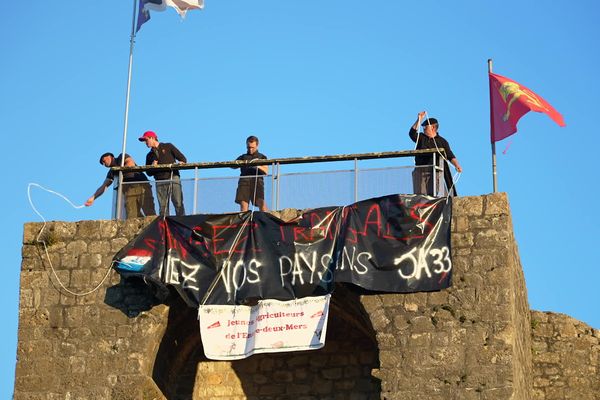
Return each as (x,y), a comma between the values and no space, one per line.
(236,332)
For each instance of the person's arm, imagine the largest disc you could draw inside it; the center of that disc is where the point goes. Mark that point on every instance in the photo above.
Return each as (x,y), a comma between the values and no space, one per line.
(107,182)
(151,160)
(414,130)
(178,154)
(264,168)
(454,162)
(450,155)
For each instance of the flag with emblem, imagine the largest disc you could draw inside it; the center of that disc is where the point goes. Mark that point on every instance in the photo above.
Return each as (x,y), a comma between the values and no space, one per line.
(509,101)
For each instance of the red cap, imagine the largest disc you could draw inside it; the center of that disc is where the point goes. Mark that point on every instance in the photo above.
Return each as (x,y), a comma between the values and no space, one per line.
(146,135)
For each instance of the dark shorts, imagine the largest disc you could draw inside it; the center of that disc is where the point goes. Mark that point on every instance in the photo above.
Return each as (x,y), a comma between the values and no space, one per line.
(250,190)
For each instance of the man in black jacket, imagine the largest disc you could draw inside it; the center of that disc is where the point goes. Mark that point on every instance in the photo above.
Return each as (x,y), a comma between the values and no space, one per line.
(167,181)
(430,139)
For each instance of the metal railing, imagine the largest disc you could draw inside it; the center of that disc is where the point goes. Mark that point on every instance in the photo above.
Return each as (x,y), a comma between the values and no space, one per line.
(295,182)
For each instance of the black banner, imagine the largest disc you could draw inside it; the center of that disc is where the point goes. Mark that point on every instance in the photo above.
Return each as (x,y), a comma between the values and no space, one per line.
(396,243)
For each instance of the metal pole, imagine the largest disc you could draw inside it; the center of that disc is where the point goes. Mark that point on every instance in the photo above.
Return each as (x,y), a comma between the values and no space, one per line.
(273,183)
(195,190)
(131,43)
(494,174)
(355,180)
(434,175)
(278,185)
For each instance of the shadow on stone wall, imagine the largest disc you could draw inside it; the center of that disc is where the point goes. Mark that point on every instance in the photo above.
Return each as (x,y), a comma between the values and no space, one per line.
(131,296)
(343,367)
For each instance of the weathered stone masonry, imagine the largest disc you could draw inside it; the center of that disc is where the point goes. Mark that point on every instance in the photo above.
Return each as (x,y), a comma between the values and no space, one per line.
(472,341)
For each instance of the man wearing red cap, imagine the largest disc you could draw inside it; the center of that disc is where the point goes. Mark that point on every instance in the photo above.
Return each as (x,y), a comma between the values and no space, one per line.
(430,139)
(167,181)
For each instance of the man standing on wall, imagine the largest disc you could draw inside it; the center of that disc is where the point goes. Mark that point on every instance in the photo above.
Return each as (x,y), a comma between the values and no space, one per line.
(430,139)
(251,188)
(138,196)
(167,181)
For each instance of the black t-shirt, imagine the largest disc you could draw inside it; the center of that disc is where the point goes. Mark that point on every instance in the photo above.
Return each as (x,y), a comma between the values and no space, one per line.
(137,176)
(251,170)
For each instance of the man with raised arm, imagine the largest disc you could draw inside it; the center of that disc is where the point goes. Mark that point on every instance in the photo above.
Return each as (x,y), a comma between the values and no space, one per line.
(429,139)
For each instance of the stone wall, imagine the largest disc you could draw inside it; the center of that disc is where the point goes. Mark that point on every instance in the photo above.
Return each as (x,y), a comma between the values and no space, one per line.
(83,347)
(566,358)
(471,341)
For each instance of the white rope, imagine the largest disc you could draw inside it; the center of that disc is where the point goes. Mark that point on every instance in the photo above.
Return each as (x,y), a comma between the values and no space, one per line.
(43,242)
(418,130)
(455,180)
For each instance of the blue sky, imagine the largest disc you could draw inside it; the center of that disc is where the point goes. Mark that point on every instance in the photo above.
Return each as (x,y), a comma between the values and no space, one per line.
(309,78)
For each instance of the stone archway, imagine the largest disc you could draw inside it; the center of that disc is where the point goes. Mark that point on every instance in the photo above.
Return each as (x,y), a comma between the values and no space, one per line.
(344,366)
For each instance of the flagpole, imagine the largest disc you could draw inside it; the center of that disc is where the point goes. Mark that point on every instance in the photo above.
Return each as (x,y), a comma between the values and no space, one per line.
(131,43)
(494,175)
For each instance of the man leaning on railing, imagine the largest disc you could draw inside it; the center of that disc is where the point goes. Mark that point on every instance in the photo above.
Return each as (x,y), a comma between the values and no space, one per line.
(138,194)
(251,188)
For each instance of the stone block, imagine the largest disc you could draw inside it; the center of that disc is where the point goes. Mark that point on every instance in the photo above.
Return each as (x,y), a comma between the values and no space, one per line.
(117,244)
(73,316)
(80,279)
(332,373)
(108,229)
(467,206)
(298,389)
(379,320)
(90,261)
(77,248)
(465,239)
(272,390)
(496,204)
(491,238)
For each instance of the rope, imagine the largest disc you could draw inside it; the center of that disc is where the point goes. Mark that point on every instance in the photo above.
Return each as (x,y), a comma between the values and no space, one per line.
(43,242)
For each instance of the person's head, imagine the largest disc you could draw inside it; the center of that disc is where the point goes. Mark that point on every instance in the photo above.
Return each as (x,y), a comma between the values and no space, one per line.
(107,159)
(150,139)
(252,144)
(430,127)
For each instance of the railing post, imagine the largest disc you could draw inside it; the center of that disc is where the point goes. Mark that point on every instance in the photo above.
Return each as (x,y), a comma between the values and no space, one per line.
(355,180)
(114,200)
(273,183)
(195,190)
(434,175)
(442,178)
(278,186)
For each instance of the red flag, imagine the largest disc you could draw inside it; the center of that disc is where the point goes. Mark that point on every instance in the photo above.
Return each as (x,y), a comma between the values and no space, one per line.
(509,101)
